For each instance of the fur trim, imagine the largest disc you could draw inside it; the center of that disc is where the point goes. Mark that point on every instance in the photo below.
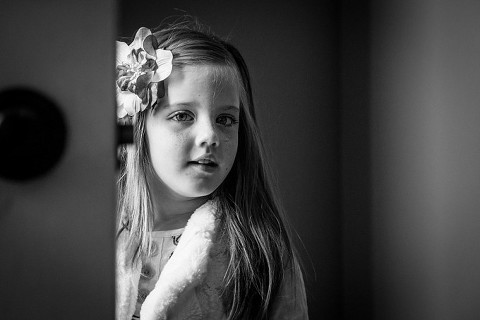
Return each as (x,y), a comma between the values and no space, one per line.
(183,272)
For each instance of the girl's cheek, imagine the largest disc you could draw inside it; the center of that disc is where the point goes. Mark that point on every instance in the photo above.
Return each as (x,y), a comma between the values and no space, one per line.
(229,134)
(182,139)
(230,141)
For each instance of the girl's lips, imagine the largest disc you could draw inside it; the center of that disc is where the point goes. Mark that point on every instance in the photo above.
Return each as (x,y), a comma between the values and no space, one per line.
(206,162)
(207,158)
(211,167)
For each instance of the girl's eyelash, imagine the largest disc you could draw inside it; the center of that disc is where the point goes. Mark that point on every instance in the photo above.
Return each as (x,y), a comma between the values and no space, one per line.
(232,118)
(175,116)
(181,113)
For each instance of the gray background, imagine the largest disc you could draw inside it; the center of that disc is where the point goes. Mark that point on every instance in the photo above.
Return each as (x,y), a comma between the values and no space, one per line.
(371,113)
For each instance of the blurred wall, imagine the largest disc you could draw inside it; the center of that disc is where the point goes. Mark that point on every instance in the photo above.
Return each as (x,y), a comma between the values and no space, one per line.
(355,160)
(425,152)
(57,230)
(292,52)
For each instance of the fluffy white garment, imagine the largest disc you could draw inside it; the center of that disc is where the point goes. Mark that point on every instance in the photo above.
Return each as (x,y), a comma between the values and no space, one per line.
(185,269)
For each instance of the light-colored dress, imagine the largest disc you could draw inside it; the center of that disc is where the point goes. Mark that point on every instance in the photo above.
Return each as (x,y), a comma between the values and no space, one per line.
(163,246)
(190,284)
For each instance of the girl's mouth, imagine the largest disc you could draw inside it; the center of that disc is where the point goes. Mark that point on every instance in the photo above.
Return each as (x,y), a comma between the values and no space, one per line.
(206,163)
(205,167)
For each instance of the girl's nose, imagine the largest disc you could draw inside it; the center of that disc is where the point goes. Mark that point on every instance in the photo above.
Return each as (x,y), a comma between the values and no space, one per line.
(206,134)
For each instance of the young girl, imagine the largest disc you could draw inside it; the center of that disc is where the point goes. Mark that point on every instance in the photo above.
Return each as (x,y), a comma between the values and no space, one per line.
(201,233)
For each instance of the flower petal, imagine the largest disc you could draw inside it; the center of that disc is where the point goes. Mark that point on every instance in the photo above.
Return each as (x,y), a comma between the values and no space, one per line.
(143,81)
(149,45)
(160,89)
(121,113)
(135,106)
(154,90)
(122,52)
(155,77)
(141,69)
(129,102)
(146,96)
(164,62)
(140,36)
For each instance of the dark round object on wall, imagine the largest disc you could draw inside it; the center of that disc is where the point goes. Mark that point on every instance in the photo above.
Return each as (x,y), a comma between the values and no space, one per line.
(32,134)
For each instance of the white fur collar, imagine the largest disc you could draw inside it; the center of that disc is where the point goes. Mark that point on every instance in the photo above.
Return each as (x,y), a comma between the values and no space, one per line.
(186,269)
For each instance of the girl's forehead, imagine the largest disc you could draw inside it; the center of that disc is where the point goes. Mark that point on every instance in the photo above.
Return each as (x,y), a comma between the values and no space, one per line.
(216,73)
(195,80)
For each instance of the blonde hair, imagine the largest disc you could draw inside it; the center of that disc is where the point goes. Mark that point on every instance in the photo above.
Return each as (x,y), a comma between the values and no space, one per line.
(251,220)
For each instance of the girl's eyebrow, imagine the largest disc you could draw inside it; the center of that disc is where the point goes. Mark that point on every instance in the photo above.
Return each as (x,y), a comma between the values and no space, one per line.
(181,103)
(165,105)
(229,108)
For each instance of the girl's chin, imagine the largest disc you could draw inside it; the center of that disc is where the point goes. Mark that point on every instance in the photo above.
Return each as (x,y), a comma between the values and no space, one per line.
(196,191)
(187,187)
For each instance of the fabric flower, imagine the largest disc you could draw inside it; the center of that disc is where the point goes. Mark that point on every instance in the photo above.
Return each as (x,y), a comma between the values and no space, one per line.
(141,68)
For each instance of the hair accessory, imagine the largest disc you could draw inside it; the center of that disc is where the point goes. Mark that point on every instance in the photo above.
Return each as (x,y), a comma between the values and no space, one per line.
(141,69)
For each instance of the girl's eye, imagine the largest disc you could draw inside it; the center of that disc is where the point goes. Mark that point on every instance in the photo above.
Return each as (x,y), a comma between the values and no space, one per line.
(226,121)
(182,116)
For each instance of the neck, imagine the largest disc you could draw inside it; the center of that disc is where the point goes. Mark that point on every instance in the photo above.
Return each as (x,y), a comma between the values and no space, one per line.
(170,214)
(172,211)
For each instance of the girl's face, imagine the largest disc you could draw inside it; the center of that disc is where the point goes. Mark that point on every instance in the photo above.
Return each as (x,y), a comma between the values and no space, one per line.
(193,132)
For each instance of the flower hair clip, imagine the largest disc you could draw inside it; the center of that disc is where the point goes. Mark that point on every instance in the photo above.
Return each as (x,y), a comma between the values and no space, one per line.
(141,69)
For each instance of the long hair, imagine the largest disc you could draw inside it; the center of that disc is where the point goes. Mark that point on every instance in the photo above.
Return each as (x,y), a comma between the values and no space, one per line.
(251,217)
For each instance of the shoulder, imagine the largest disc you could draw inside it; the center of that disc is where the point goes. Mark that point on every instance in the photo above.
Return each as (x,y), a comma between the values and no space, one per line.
(291,300)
